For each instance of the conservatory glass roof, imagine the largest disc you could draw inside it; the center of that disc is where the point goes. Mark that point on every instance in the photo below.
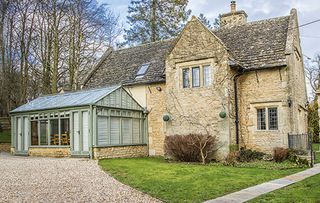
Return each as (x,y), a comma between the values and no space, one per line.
(70,99)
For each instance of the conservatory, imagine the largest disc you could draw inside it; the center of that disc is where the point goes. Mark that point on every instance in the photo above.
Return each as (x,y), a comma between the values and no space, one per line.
(95,123)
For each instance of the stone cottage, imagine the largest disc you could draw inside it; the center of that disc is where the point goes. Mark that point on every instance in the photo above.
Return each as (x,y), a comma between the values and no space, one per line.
(243,83)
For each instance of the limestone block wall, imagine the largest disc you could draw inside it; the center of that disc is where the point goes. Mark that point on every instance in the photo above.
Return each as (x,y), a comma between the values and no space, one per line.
(297,88)
(156,126)
(120,151)
(49,151)
(5,147)
(263,89)
(196,110)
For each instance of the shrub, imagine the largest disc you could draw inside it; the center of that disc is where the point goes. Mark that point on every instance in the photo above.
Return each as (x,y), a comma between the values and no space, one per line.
(191,148)
(280,154)
(247,155)
(231,159)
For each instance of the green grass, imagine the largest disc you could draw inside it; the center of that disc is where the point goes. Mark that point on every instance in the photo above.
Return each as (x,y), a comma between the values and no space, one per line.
(305,191)
(183,182)
(316,148)
(5,137)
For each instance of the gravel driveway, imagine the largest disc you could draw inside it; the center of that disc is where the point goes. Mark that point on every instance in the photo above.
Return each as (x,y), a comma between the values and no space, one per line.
(35,179)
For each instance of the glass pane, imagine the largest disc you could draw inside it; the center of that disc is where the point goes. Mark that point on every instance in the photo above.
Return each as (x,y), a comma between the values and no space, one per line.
(142,71)
(54,132)
(65,131)
(196,77)
(207,76)
(273,118)
(43,132)
(34,133)
(185,77)
(261,116)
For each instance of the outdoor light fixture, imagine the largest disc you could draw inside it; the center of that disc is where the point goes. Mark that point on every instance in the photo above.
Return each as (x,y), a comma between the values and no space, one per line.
(166,117)
(289,102)
(222,114)
(159,88)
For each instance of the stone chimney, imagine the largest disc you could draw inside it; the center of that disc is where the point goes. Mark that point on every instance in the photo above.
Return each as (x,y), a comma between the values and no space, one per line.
(234,17)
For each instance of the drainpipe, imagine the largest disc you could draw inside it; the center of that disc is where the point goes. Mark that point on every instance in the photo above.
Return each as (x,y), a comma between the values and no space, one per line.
(236,105)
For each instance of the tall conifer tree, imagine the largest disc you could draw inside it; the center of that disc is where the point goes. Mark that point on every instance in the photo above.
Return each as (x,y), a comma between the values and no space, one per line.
(153,20)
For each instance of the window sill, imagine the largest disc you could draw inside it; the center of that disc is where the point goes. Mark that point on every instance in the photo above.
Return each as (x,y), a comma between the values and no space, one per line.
(119,145)
(50,146)
(267,131)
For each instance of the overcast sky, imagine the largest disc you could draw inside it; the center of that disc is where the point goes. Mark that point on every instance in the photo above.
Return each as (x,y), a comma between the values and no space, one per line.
(308,10)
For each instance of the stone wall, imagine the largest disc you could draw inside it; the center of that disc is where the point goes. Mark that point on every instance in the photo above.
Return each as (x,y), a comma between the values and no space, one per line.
(49,151)
(120,152)
(196,110)
(5,123)
(156,125)
(5,147)
(263,89)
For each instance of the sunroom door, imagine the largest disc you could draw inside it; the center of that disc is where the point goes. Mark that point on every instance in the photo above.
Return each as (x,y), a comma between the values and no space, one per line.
(80,133)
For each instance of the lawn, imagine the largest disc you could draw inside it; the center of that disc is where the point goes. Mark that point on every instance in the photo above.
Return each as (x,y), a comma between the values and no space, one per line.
(5,137)
(307,190)
(183,182)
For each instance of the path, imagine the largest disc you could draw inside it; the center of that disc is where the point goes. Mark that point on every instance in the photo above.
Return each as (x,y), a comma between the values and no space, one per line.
(255,191)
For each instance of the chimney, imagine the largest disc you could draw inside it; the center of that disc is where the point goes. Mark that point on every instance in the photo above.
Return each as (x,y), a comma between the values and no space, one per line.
(234,17)
(233,6)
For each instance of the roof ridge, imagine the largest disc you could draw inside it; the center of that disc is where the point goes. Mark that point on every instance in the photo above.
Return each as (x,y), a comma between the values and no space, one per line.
(253,22)
(79,91)
(146,44)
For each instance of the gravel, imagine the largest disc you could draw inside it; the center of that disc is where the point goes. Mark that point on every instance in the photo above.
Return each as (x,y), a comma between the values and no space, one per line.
(37,179)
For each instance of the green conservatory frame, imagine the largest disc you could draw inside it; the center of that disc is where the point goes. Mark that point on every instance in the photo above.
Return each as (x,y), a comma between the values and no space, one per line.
(114,112)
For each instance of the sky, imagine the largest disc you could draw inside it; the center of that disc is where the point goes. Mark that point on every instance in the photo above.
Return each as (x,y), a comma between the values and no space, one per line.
(308,10)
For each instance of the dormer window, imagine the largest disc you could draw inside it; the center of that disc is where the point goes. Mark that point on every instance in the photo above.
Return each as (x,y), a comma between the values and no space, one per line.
(142,71)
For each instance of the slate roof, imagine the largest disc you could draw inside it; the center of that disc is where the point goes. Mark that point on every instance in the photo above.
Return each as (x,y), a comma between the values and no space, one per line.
(254,45)
(72,99)
(122,65)
(257,44)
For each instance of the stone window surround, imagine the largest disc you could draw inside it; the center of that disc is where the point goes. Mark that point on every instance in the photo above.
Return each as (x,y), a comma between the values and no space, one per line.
(192,64)
(266,105)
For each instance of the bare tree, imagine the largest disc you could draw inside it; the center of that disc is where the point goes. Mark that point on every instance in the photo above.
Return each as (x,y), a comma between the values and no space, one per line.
(313,73)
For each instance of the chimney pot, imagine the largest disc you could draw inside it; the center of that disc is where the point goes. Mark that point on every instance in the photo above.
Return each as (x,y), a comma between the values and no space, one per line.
(233,6)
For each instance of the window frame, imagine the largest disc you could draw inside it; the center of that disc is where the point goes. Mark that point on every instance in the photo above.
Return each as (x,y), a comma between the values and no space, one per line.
(267,118)
(209,74)
(193,76)
(183,78)
(142,70)
(48,118)
(259,120)
(203,82)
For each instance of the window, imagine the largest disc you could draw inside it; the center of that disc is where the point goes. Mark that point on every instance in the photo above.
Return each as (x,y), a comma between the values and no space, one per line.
(207,76)
(261,115)
(201,76)
(196,77)
(273,118)
(44,132)
(34,133)
(142,71)
(185,75)
(269,121)
(50,130)
(54,132)
(65,132)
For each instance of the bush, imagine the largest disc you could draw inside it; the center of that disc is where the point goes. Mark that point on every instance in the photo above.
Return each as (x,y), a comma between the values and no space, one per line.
(280,154)
(231,159)
(247,155)
(191,148)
